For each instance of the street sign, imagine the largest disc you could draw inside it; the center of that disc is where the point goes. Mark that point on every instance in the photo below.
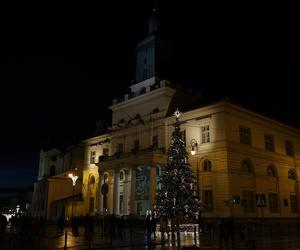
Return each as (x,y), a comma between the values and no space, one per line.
(261,200)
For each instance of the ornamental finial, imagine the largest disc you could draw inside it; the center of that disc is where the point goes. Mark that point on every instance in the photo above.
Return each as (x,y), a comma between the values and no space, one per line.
(177,113)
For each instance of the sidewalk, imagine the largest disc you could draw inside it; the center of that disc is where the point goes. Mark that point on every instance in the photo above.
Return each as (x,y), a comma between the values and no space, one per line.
(136,239)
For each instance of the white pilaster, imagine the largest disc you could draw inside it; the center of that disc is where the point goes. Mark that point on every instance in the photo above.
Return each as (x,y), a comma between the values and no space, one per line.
(116,205)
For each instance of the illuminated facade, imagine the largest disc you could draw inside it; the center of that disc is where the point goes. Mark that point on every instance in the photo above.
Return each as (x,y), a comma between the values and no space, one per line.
(239,155)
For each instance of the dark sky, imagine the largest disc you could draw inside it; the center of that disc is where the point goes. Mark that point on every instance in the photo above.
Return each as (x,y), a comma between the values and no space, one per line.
(65,64)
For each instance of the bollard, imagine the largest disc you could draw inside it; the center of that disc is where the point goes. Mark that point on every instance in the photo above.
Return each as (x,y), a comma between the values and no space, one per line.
(195,236)
(66,239)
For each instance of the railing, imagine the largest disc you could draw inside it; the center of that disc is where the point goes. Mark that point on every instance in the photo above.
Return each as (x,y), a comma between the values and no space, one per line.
(119,155)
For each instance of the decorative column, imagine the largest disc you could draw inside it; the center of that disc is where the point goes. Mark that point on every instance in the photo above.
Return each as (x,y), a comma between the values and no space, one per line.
(100,200)
(116,193)
(152,186)
(132,193)
(127,188)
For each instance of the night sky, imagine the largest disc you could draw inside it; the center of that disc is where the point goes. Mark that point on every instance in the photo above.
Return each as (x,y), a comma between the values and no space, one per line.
(65,64)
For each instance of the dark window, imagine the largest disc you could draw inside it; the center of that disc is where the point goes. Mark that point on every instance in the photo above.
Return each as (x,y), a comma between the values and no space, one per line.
(208,200)
(121,204)
(269,142)
(93,157)
(247,166)
(120,148)
(136,145)
(92,180)
(105,151)
(273,203)
(271,171)
(155,142)
(289,148)
(52,170)
(156,110)
(248,201)
(294,205)
(53,158)
(205,134)
(245,136)
(292,174)
(207,166)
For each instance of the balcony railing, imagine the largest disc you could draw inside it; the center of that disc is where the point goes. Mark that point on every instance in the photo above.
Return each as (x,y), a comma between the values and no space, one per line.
(134,152)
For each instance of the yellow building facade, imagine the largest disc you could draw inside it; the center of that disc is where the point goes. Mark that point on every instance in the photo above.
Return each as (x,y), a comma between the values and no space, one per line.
(241,158)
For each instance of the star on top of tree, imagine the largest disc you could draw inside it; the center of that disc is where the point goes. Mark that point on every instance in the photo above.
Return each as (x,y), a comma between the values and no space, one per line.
(177,113)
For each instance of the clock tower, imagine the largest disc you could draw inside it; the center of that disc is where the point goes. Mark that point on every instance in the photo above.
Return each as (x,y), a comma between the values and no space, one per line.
(153,54)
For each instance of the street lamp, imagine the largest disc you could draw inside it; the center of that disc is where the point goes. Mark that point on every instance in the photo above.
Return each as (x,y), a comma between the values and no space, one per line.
(194,146)
(74,179)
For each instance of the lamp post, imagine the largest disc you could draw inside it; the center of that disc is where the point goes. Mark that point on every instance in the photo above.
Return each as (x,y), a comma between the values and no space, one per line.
(74,179)
(194,146)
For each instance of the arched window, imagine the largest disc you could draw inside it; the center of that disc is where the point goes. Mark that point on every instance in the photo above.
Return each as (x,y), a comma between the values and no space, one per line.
(247,166)
(292,175)
(92,180)
(207,166)
(271,171)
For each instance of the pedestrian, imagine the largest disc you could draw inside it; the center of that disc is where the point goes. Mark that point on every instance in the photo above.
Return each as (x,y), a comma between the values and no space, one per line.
(222,233)
(148,225)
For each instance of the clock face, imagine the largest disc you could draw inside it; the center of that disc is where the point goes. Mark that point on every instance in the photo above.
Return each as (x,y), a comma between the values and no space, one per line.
(104,189)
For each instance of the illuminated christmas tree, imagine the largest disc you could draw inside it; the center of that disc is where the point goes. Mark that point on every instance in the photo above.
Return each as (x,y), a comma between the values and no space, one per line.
(177,196)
